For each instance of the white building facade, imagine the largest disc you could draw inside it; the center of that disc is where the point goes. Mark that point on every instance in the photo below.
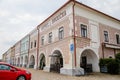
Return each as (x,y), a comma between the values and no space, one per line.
(24,51)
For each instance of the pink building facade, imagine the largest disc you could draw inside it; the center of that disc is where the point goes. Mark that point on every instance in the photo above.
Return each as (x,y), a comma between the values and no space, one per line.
(77,35)
(33,49)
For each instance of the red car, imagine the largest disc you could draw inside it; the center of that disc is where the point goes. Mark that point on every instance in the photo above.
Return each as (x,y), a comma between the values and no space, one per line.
(8,72)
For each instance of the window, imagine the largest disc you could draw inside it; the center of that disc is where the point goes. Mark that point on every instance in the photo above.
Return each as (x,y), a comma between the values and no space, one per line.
(4,67)
(42,40)
(83,30)
(31,44)
(106,36)
(50,37)
(35,43)
(27,44)
(117,39)
(61,33)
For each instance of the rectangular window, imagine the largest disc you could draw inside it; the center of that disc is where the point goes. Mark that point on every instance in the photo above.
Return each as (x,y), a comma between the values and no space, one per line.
(50,37)
(27,44)
(31,44)
(83,30)
(117,39)
(42,40)
(106,36)
(35,43)
(61,33)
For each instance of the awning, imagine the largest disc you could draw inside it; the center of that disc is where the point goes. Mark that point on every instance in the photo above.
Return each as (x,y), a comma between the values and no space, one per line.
(112,46)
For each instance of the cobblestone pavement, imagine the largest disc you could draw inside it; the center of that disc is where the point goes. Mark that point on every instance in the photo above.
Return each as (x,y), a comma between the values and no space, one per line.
(41,75)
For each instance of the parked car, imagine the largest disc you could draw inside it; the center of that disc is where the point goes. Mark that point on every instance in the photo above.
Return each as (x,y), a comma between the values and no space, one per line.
(9,72)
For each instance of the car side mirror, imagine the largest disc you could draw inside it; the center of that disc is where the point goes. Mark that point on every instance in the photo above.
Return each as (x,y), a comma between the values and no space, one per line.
(13,70)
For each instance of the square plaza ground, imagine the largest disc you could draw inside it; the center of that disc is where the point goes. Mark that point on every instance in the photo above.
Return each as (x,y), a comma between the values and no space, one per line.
(41,75)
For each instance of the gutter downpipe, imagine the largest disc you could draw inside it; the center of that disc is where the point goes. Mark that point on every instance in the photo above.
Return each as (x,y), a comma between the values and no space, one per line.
(103,50)
(20,55)
(28,52)
(37,47)
(74,32)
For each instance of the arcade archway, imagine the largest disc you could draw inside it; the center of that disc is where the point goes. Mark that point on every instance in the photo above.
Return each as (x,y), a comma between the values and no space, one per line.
(21,62)
(32,62)
(56,61)
(26,61)
(18,61)
(42,62)
(89,61)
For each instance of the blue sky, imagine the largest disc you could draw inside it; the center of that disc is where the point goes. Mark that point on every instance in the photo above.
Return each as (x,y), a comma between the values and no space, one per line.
(19,17)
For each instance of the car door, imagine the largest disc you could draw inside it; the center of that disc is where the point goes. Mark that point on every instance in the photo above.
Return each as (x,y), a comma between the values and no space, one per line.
(1,72)
(7,72)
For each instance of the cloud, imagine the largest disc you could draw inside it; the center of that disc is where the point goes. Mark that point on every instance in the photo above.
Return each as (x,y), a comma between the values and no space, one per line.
(4,13)
(109,7)
(19,17)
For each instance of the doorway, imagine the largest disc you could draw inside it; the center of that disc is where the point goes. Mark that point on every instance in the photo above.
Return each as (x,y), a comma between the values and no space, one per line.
(42,62)
(56,61)
(89,61)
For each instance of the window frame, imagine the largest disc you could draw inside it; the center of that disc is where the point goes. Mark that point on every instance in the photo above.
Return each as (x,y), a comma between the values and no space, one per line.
(50,37)
(42,40)
(117,38)
(35,43)
(84,32)
(106,36)
(31,45)
(61,33)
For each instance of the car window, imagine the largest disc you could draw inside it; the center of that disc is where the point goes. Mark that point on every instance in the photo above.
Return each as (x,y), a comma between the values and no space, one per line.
(4,67)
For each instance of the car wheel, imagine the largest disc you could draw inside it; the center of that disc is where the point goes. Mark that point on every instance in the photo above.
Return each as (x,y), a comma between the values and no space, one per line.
(21,78)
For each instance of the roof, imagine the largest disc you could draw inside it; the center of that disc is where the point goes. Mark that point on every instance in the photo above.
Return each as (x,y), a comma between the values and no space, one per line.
(55,12)
(82,5)
(97,11)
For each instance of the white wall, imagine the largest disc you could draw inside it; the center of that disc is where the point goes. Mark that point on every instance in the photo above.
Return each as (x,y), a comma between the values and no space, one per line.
(95,16)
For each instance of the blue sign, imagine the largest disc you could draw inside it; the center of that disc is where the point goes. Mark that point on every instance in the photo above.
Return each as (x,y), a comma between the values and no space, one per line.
(71,47)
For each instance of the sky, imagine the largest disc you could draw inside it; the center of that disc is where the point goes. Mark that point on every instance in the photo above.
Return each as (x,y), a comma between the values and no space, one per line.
(19,17)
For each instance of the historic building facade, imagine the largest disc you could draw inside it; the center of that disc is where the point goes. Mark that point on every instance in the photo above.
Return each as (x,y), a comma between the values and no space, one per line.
(24,51)
(4,57)
(17,53)
(8,56)
(72,40)
(33,48)
(12,55)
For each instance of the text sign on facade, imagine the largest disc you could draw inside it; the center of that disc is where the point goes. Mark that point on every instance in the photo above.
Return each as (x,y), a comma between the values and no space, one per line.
(58,17)
(52,21)
(71,47)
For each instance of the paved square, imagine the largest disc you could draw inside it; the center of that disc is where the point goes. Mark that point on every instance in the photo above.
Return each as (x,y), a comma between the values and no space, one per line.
(41,75)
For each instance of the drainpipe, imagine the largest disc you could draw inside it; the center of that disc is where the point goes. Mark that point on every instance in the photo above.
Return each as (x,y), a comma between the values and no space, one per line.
(114,52)
(28,51)
(38,47)
(20,54)
(103,49)
(74,32)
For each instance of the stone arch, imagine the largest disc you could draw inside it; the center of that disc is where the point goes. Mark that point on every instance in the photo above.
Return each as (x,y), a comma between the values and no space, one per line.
(89,61)
(21,62)
(18,61)
(42,61)
(13,63)
(32,61)
(25,61)
(15,60)
(56,61)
